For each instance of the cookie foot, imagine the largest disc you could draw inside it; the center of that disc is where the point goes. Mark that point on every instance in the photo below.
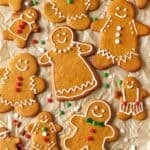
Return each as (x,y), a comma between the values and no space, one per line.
(94,5)
(123,116)
(5,108)
(140,116)
(15,4)
(7,35)
(20,43)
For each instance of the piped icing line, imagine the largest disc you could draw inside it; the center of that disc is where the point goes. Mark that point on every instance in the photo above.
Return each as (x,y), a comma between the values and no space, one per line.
(3,134)
(87,4)
(33,84)
(76,17)
(53,126)
(128,56)
(5,77)
(105,25)
(134,26)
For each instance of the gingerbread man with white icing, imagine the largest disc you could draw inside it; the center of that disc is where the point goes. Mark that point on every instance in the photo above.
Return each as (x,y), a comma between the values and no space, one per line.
(19,85)
(91,131)
(131,100)
(22,26)
(119,33)
(44,133)
(74,12)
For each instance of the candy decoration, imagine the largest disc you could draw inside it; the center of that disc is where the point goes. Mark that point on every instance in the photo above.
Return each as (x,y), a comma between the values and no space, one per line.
(68,104)
(27,135)
(95,123)
(69,1)
(89,138)
(34,41)
(119,82)
(46,139)
(49,100)
(106,85)
(105,74)
(61,112)
(92,130)
(44,129)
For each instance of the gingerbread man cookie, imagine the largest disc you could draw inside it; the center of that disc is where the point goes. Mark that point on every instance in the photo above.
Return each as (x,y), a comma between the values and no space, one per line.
(19,85)
(44,133)
(141,3)
(117,29)
(8,142)
(14,4)
(91,131)
(72,77)
(21,27)
(131,100)
(74,12)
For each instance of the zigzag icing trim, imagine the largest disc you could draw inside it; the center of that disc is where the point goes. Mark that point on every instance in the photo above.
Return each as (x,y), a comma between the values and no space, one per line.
(119,59)
(5,76)
(76,17)
(87,4)
(33,85)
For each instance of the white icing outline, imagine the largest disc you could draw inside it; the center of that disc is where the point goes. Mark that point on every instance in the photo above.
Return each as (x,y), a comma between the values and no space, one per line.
(33,84)
(85,115)
(5,76)
(3,134)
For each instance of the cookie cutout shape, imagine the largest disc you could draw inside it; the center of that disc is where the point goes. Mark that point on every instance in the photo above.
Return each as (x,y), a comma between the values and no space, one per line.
(8,142)
(72,77)
(91,131)
(117,29)
(21,27)
(19,85)
(44,132)
(141,3)
(77,16)
(131,100)
(14,4)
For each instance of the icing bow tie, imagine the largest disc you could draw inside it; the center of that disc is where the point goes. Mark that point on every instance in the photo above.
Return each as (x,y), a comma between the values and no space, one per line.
(95,123)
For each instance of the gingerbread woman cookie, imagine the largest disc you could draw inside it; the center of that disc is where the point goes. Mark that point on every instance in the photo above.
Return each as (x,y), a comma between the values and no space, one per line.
(14,4)
(19,85)
(74,12)
(21,27)
(131,100)
(141,3)
(8,142)
(91,131)
(44,133)
(72,77)
(117,30)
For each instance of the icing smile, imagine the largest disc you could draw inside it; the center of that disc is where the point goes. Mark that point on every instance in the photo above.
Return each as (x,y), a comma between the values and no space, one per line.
(30,15)
(130,86)
(62,41)
(22,65)
(44,121)
(120,16)
(96,115)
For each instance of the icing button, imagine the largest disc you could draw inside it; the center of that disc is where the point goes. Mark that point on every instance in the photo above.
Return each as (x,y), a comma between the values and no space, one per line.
(118,28)
(20,78)
(89,138)
(92,130)
(18,84)
(18,89)
(117,41)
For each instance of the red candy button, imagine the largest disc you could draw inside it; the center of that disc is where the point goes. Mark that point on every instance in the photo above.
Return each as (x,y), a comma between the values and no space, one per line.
(18,89)
(92,130)
(49,100)
(125,103)
(18,84)
(19,31)
(46,139)
(23,23)
(20,78)
(28,136)
(90,138)
(34,41)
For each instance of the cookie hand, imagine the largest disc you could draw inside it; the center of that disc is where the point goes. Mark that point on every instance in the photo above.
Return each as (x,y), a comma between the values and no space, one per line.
(94,4)
(75,120)
(143,93)
(35,27)
(58,127)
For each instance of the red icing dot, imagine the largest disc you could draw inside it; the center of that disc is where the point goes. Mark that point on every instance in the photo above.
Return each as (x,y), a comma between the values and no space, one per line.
(92,130)
(89,138)
(18,89)
(137,103)
(125,103)
(20,78)
(21,26)
(34,41)
(46,139)
(18,84)
(19,31)
(23,23)
(49,100)
(28,136)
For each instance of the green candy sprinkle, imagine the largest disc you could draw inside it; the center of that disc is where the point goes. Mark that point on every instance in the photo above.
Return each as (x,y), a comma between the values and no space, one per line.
(61,112)
(68,104)
(44,129)
(105,74)
(94,18)
(89,120)
(69,1)
(106,85)
(42,42)
(120,82)
(34,2)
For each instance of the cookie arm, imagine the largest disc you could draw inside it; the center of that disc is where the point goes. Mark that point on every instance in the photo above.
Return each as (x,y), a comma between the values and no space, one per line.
(58,127)
(29,128)
(75,119)
(93,4)
(143,93)
(2,72)
(35,27)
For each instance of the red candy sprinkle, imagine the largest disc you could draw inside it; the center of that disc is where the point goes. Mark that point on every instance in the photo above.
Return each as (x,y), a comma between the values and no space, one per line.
(92,130)
(49,100)
(137,103)
(19,31)
(34,41)
(20,78)
(90,138)
(28,136)
(125,103)
(46,139)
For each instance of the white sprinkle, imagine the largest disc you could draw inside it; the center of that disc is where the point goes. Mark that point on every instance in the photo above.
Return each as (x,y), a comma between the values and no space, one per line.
(133,147)
(118,28)
(122,131)
(41,49)
(125,140)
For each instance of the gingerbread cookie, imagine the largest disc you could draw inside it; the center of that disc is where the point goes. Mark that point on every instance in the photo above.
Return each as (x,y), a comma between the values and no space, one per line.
(8,142)
(117,29)
(91,131)
(141,3)
(19,85)
(14,4)
(131,100)
(74,12)
(44,133)
(21,27)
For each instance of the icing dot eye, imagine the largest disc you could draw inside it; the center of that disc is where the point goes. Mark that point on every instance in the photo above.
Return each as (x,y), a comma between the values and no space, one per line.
(41,116)
(96,107)
(125,9)
(118,8)
(127,82)
(64,33)
(132,82)
(58,35)
(19,60)
(103,111)
(26,61)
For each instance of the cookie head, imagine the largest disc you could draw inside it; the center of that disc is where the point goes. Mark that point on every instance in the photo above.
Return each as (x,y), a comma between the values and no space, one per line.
(30,14)
(99,111)
(131,83)
(62,37)
(24,64)
(121,9)
(45,117)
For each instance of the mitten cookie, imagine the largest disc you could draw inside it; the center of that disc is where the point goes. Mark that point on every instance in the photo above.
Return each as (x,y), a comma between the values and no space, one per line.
(14,4)
(141,3)
(8,142)
(19,85)
(117,29)
(74,12)
(91,130)
(21,27)
(72,76)
(44,133)
(131,100)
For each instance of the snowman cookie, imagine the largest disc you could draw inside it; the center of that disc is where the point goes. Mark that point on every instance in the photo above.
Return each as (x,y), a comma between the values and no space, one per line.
(141,3)
(91,131)
(8,142)
(72,77)
(21,27)
(117,29)
(44,132)
(74,12)
(19,85)
(131,100)
(14,4)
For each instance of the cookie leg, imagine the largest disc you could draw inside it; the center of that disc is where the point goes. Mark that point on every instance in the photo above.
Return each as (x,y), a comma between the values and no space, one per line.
(140,116)
(101,62)
(5,108)
(15,4)
(28,111)
(3,2)
(7,35)
(141,3)
(94,4)
(132,65)
(79,23)
(20,43)
(51,14)
(123,116)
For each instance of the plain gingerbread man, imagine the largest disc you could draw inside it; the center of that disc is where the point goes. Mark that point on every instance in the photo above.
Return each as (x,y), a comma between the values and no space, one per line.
(19,85)
(131,100)
(117,29)
(44,132)
(21,27)
(74,12)
(91,131)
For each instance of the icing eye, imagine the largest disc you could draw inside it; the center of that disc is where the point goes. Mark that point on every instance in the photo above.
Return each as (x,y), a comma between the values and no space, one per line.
(103,111)
(118,8)
(26,61)
(19,60)
(58,35)
(41,116)
(64,33)
(125,9)
(96,107)
(132,82)
(127,82)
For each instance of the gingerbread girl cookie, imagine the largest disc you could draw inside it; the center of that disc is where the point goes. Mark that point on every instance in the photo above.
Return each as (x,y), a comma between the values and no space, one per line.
(8,142)
(117,30)
(19,85)
(131,100)
(72,77)
(21,27)
(74,12)
(141,3)
(44,133)
(91,131)
(14,4)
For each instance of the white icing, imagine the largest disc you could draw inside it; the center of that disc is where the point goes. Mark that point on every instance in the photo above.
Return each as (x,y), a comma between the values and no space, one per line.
(118,28)
(96,115)
(105,25)
(120,16)
(5,77)
(33,84)
(117,41)
(22,69)
(76,17)
(87,4)
(117,34)
(3,134)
